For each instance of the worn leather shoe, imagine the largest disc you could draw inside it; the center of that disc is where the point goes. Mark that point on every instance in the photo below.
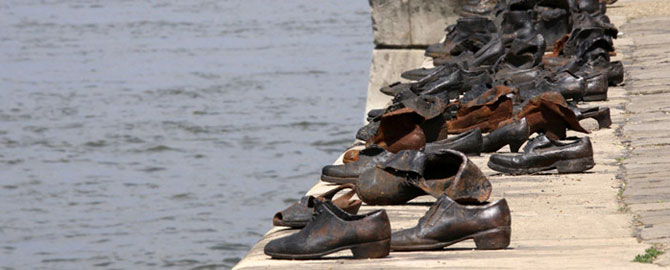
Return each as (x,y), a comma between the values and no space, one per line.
(410,174)
(469,143)
(298,214)
(332,230)
(513,134)
(448,222)
(573,157)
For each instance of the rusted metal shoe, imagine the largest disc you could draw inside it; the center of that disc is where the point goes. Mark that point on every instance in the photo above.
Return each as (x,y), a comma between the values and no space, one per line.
(331,230)
(410,174)
(400,130)
(298,214)
(572,157)
(448,222)
(485,112)
(349,172)
(548,113)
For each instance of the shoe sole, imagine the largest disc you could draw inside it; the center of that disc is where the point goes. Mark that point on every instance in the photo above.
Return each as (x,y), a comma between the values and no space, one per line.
(497,238)
(562,166)
(339,180)
(294,225)
(377,249)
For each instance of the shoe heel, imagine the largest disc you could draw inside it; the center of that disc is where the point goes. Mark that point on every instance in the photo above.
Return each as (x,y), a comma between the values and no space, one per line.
(497,238)
(377,249)
(604,119)
(514,146)
(575,165)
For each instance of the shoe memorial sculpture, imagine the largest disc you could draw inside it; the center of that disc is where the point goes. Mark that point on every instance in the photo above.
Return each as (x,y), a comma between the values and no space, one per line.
(506,70)
(330,230)
(298,214)
(448,222)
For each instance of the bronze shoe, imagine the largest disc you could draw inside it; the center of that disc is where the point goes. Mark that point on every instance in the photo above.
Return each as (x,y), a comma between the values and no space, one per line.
(600,114)
(410,174)
(513,134)
(399,130)
(331,230)
(448,222)
(469,143)
(349,172)
(485,112)
(570,157)
(298,214)
(548,113)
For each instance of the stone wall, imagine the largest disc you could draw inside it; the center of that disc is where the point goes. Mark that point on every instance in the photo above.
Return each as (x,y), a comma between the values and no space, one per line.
(402,29)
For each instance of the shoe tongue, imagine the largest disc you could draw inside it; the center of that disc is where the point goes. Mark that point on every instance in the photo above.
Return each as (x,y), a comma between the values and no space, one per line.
(442,200)
(538,142)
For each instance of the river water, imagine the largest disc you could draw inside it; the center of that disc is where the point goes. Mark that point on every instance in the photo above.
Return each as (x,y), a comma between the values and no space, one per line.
(165,134)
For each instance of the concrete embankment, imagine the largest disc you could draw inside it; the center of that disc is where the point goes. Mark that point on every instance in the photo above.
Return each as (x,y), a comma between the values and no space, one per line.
(573,221)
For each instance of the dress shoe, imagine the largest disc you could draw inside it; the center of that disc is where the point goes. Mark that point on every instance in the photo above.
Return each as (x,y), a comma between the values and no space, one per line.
(513,134)
(409,174)
(469,143)
(331,230)
(569,85)
(615,73)
(419,73)
(298,214)
(448,222)
(573,157)
(596,86)
(514,76)
(489,53)
(349,172)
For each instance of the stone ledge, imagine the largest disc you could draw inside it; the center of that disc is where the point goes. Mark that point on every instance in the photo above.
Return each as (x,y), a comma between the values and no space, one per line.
(411,23)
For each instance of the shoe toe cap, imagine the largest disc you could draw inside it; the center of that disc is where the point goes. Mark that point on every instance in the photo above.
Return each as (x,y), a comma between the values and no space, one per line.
(333,170)
(504,160)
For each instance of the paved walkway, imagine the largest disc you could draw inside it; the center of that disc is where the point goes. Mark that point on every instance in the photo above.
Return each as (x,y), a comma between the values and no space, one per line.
(646,130)
(570,221)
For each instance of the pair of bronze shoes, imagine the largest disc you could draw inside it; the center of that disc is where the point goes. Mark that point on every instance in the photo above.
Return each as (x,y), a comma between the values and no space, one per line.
(369,236)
